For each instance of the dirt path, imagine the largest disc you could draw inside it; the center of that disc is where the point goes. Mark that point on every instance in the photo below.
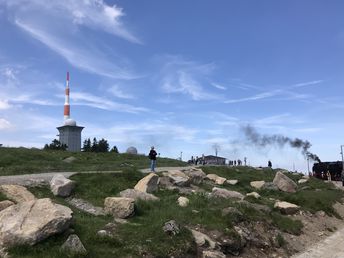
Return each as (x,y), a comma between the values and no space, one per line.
(330,247)
(161,169)
(41,178)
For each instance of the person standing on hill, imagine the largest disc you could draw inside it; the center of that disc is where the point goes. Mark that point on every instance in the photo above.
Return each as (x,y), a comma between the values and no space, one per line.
(269,164)
(152,156)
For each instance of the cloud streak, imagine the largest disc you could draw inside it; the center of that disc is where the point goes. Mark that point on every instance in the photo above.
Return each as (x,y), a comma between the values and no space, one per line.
(64,35)
(87,99)
(186,77)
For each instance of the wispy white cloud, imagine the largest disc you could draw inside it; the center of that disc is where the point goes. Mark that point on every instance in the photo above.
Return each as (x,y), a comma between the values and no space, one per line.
(283,93)
(95,14)
(303,84)
(63,35)
(218,86)
(259,96)
(186,77)
(87,99)
(4,124)
(4,104)
(118,93)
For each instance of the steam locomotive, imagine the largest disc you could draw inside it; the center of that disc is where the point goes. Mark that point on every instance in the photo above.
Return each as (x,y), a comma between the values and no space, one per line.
(334,167)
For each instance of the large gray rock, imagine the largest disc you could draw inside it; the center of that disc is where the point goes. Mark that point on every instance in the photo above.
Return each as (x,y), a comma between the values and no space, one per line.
(178,178)
(5,204)
(284,183)
(148,184)
(73,245)
(196,175)
(138,195)
(119,207)
(287,207)
(17,193)
(32,221)
(85,206)
(227,194)
(61,186)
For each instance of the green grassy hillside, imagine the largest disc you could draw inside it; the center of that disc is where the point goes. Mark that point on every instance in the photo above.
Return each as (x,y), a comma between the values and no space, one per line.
(16,161)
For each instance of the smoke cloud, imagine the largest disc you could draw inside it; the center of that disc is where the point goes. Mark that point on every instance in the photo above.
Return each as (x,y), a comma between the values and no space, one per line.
(265,140)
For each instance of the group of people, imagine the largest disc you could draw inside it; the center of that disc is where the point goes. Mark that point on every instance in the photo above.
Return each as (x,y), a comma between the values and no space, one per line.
(197,160)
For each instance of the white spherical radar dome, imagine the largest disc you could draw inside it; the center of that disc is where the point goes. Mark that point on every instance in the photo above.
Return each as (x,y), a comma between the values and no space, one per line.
(70,122)
(132,150)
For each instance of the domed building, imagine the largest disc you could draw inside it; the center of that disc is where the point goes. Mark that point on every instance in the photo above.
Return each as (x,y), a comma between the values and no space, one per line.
(132,150)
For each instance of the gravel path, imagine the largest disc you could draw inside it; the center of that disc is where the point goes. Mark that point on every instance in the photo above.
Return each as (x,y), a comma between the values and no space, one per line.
(161,169)
(41,178)
(330,247)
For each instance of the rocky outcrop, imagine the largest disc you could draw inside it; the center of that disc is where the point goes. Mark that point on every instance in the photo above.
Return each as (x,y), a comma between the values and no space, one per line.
(196,175)
(227,194)
(17,193)
(257,184)
(183,201)
(216,179)
(138,195)
(73,245)
(61,186)
(284,183)
(286,207)
(5,204)
(148,184)
(178,178)
(32,221)
(119,207)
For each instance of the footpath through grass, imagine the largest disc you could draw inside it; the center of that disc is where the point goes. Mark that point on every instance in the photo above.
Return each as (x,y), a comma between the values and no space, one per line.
(18,161)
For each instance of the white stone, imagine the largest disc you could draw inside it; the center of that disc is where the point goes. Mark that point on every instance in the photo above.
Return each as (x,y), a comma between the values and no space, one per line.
(148,184)
(73,245)
(213,254)
(178,178)
(17,193)
(138,195)
(257,184)
(32,221)
(254,194)
(201,239)
(232,181)
(61,186)
(286,207)
(119,207)
(284,183)
(183,201)
(224,193)
(302,180)
(216,179)
(5,204)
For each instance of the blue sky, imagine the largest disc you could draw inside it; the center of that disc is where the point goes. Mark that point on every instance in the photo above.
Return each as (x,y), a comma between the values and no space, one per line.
(179,75)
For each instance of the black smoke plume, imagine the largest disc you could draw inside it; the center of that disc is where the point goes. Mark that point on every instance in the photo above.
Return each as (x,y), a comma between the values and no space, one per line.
(264,140)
